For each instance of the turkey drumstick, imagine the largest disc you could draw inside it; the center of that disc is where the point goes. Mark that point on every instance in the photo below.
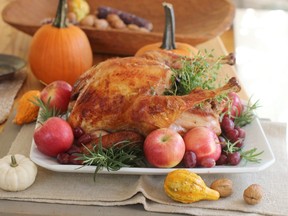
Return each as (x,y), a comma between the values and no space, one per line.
(153,112)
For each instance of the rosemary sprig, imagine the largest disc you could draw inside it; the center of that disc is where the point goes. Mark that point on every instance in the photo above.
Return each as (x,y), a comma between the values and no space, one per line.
(231,147)
(247,116)
(251,155)
(121,154)
(198,72)
(45,110)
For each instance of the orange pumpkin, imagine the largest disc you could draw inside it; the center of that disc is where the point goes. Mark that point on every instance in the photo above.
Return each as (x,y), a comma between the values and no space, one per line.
(59,51)
(168,42)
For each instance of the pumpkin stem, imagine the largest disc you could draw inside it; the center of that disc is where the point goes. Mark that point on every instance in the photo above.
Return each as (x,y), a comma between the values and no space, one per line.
(60,19)
(13,161)
(168,41)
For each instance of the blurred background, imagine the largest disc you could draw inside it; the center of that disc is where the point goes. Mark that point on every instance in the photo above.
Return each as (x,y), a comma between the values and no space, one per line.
(260,42)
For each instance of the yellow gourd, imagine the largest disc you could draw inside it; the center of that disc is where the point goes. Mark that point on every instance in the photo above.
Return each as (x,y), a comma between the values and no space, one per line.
(188,187)
(80,7)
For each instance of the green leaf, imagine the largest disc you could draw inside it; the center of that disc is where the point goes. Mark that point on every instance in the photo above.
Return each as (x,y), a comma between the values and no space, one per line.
(46,111)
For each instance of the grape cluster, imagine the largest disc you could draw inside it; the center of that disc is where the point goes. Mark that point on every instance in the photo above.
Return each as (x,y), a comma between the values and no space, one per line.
(71,156)
(232,141)
(190,161)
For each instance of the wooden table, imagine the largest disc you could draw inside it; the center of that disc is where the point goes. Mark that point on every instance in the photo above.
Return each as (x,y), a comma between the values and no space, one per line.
(17,43)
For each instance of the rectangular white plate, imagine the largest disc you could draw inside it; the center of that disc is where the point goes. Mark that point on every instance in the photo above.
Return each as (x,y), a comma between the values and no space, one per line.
(255,138)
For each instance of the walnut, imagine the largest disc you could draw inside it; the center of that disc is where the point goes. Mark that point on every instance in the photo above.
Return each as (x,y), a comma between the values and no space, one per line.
(253,194)
(223,186)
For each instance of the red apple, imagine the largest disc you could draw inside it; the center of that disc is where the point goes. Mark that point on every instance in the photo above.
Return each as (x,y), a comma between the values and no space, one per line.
(59,93)
(53,137)
(235,105)
(164,148)
(204,143)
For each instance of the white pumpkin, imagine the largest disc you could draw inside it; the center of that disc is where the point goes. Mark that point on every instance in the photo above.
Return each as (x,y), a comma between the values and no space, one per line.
(17,172)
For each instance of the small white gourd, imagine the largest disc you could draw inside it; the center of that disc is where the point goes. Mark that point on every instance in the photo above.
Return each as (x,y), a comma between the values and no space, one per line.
(17,172)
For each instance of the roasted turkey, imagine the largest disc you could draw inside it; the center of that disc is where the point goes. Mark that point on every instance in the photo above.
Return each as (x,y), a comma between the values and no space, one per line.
(127,94)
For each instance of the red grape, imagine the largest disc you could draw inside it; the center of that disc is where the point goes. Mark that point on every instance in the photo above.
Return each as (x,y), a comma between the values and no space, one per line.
(222,160)
(222,141)
(240,143)
(78,132)
(242,133)
(84,139)
(190,159)
(63,158)
(74,149)
(73,160)
(232,135)
(208,162)
(227,124)
(234,158)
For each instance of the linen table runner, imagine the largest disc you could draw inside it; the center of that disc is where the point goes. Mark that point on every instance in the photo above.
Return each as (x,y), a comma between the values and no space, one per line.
(118,190)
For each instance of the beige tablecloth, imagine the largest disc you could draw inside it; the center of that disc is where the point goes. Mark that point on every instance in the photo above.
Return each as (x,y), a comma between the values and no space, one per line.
(117,190)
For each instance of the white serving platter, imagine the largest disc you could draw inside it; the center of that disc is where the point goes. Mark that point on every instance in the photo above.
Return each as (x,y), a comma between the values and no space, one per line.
(255,138)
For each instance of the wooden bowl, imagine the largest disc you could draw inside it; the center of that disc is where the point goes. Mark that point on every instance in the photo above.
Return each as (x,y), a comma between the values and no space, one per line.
(196,21)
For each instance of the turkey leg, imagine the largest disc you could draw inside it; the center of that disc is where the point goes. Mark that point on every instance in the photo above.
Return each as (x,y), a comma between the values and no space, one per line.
(152,112)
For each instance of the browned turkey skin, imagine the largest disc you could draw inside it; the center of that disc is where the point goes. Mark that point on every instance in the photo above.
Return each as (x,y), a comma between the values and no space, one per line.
(127,94)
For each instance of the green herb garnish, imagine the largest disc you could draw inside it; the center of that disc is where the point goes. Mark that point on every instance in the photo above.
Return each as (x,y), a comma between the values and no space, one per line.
(46,111)
(197,72)
(121,154)
(248,115)
(251,155)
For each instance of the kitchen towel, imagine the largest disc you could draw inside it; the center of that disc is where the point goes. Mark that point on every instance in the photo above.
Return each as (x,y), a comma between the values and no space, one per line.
(8,91)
